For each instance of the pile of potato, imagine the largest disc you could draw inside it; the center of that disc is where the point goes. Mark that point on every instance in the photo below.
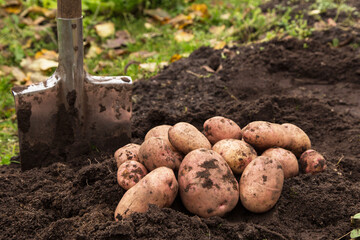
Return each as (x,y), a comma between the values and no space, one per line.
(213,169)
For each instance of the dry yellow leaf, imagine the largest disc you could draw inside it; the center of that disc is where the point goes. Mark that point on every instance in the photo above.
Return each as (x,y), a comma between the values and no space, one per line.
(142,54)
(217,30)
(105,30)
(18,74)
(93,51)
(152,67)
(225,16)
(47,54)
(13,9)
(175,58)
(200,10)
(49,13)
(181,21)
(182,36)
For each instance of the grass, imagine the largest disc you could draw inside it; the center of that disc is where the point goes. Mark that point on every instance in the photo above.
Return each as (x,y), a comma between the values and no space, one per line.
(243,22)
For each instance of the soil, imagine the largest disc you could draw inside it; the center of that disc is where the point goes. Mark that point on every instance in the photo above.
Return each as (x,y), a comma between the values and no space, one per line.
(316,87)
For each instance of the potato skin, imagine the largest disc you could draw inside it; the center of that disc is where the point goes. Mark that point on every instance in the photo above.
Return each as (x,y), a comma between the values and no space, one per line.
(158,131)
(185,138)
(206,184)
(218,128)
(130,173)
(126,153)
(261,184)
(159,187)
(299,140)
(287,160)
(163,132)
(263,135)
(237,153)
(156,152)
(312,162)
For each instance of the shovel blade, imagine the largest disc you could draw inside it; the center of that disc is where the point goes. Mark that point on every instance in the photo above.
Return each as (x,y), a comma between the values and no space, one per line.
(55,126)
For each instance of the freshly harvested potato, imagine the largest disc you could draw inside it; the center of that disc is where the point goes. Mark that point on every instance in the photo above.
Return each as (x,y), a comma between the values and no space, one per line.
(163,132)
(299,140)
(185,138)
(159,187)
(126,153)
(158,131)
(237,153)
(218,128)
(312,162)
(261,184)
(263,135)
(129,173)
(206,184)
(287,160)
(156,152)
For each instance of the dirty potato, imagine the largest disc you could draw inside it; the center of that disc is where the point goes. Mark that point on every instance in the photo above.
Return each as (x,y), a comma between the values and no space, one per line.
(299,140)
(159,188)
(287,160)
(129,173)
(185,138)
(206,184)
(156,152)
(163,132)
(312,162)
(126,153)
(261,184)
(237,153)
(218,128)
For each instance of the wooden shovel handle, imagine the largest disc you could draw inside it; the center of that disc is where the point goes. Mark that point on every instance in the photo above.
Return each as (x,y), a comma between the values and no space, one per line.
(69,8)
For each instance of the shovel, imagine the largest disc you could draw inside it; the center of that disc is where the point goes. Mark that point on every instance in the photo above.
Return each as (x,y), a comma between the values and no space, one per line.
(72,112)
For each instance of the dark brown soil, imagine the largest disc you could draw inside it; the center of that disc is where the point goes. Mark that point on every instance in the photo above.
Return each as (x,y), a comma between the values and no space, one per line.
(316,88)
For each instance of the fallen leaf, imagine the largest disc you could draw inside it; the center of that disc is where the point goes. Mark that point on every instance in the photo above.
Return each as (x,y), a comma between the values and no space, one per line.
(158,14)
(152,35)
(319,25)
(13,9)
(314,12)
(114,53)
(225,16)
(38,65)
(105,30)
(148,25)
(142,54)
(39,20)
(182,36)
(101,65)
(35,77)
(181,21)
(47,54)
(217,30)
(122,38)
(49,13)
(152,67)
(175,58)
(18,74)
(220,45)
(200,10)
(93,51)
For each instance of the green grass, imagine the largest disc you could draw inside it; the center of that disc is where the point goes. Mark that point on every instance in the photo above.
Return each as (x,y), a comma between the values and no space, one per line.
(248,23)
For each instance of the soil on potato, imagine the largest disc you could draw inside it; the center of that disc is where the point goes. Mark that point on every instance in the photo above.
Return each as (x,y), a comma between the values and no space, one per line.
(316,87)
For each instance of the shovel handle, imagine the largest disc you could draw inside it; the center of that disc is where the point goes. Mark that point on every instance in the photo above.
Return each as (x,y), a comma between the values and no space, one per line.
(69,8)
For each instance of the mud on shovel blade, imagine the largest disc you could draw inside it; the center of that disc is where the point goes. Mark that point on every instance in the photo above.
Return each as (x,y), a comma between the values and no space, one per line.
(71,112)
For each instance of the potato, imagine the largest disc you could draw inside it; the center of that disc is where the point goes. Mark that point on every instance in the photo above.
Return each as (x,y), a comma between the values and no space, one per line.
(287,160)
(206,184)
(129,173)
(261,184)
(163,132)
(218,128)
(237,153)
(312,162)
(263,135)
(159,188)
(299,140)
(158,131)
(185,138)
(126,153)
(156,152)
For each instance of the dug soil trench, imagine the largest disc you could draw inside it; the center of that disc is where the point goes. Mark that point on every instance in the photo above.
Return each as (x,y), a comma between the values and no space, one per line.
(316,87)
